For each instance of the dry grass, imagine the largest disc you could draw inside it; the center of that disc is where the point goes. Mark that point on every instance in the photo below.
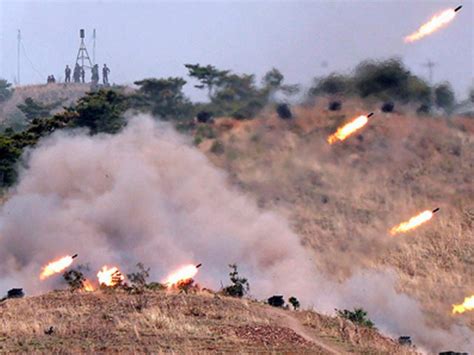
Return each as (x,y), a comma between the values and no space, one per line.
(343,199)
(171,322)
(47,93)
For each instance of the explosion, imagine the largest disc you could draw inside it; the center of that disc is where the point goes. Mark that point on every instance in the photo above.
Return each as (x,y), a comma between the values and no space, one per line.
(467,305)
(349,128)
(56,266)
(184,273)
(413,222)
(435,23)
(110,276)
(87,286)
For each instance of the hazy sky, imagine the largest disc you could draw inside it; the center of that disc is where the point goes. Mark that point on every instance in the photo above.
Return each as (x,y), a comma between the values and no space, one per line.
(139,39)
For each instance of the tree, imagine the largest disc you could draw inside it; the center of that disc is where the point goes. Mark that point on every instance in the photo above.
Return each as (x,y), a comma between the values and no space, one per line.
(139,277)
(273,79)
(444,97)
(9,155)
(207,75)
(358,316)
(33,109)
(333,84)
(101,111)
(237,96)
(6,91)
(163,97)
(273,82)
(240,285)
(390,80)
(471,94)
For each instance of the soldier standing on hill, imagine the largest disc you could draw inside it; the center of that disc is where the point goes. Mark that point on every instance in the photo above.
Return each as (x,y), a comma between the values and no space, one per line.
(95,74)
(105,74)
(83,75)
(67,73)
(77,73)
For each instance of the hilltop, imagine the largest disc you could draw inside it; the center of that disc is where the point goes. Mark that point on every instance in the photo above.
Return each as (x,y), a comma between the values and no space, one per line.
(342,199)
(66,94)
(115,321)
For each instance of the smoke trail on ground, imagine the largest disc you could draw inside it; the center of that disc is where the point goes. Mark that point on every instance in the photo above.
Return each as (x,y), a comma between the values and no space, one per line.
(146,195)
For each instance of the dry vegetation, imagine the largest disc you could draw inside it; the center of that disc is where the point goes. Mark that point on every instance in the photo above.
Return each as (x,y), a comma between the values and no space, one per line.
(46,94)
(105,321)
(343,199)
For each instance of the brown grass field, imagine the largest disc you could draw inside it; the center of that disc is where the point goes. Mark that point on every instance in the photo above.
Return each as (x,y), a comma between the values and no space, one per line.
(204,322)
(342,199)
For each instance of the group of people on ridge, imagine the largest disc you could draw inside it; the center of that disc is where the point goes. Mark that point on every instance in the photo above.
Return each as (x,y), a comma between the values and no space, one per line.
(79,74)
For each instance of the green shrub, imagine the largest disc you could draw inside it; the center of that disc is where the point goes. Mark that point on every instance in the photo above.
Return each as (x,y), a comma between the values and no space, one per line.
(358,316)
(240,285)
(444,97)
(217,147)
(6,90)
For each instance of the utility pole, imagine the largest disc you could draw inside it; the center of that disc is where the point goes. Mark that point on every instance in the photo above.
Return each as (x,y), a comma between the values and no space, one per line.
(430,65)
(93,46)
(18,57)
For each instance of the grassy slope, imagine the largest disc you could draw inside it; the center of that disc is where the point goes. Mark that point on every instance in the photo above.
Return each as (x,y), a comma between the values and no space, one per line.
(343,199)
(202,322)
(46,94)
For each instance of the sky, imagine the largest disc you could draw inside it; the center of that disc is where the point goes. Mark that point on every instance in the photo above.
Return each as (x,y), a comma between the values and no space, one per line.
(303,39)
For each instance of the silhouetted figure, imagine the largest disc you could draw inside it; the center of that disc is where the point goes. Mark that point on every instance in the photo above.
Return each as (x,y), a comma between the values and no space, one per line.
(105,74)
(76,76)
(50,79)
(95,74)
(83,75)
(67,73)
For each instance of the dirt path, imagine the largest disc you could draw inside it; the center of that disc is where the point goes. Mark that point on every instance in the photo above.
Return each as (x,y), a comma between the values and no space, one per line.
(294,324)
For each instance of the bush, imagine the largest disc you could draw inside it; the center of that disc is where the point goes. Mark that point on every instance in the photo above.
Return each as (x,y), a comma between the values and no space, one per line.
(334,84)
(240,285)
(138,278)
(294,302)
(444,97)
(6,90)
(217,147)
(358,316)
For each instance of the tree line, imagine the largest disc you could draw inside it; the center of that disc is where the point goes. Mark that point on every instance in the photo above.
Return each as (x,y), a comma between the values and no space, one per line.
(229,94)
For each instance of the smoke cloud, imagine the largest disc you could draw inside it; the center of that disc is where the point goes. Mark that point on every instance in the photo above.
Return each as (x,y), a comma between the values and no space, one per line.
(146,195)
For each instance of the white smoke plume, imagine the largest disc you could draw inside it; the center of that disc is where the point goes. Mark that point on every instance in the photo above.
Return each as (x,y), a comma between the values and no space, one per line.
(146,195)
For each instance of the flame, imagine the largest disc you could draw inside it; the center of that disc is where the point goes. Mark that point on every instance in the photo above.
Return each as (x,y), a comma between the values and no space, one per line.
(110,276)
(412,222)
(184,273)
(56,266)
(435,23)
(349,128)
(87,286)
(467,305)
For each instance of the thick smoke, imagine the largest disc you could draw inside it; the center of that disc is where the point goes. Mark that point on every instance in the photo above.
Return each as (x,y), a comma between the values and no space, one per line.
(146,195)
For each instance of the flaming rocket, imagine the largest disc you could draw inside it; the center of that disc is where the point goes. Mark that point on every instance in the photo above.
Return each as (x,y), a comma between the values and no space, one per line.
(437,22)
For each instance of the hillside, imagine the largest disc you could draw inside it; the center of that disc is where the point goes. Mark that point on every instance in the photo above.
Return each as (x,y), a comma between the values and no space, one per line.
(111,321)
(46,94)
(342,199)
